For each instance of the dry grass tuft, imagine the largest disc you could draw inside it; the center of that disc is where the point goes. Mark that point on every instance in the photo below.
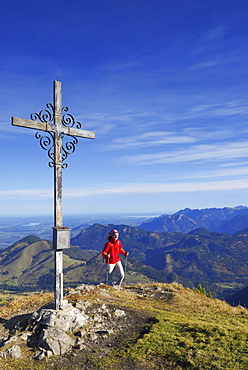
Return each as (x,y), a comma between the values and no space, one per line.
(25,304)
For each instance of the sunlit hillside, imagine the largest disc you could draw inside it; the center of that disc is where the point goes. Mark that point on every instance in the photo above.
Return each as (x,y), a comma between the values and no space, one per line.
(165,326)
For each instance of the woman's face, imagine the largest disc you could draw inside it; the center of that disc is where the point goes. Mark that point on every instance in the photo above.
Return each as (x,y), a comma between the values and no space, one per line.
(115,236)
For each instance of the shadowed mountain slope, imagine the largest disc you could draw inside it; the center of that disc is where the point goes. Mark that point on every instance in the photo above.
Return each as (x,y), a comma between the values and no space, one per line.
(179,223)
(135,240)
(236,224)
(206,257)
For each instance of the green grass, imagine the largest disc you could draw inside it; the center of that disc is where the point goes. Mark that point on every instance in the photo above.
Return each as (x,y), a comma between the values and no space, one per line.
(230,285)
(183,343)
(195,333)
(187,330)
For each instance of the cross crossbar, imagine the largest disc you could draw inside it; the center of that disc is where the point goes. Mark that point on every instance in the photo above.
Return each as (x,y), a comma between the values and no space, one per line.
(46,126)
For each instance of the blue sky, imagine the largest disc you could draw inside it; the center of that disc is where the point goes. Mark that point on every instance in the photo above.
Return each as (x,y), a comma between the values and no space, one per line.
(164,84)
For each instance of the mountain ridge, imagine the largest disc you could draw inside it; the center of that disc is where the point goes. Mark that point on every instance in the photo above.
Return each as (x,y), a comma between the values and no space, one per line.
(188,219)
(213,259)
(201,256)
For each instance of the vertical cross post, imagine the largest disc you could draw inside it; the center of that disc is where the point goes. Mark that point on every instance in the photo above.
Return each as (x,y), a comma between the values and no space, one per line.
(64,125)
(58,220)
(57,155)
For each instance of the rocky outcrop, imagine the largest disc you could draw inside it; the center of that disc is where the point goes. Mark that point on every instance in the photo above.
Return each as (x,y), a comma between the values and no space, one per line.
(14,352)
(56,332)
(92,320)
(53,329)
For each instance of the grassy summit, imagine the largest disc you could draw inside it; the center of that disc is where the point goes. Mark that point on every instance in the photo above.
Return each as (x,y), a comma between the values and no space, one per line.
(166,327)
(189,331)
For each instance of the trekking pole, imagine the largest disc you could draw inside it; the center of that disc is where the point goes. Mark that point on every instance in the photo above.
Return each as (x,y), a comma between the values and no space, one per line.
(107,275)
(125,266)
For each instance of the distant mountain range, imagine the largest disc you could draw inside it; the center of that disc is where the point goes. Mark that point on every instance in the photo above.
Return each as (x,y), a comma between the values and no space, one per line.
(29,265)
(137,241)
(224,220)
(216,260)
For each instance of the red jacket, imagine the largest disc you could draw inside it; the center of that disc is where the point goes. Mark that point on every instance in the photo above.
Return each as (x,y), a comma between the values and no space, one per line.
(112,249)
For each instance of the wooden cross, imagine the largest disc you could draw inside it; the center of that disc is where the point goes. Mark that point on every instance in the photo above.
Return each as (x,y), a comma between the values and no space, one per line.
(57,125)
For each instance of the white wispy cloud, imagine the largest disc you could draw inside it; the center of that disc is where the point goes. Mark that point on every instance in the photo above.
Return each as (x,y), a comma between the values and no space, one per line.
(205,64)
(225,109)
(214,33)
(214,152)
(148,139)
(210,40)
(219,133)
(215,173)
(136,188)
(209,63)
(145,188)
(241,164)
(26,194)
(104,123)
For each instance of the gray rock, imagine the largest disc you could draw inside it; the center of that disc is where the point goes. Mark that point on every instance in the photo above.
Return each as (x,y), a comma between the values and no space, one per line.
(70,292)
(25,336)
(119,313)
(54,326)
(55,340)
(97,317)
(12,339)
(104,312)
(68,319)
(49,353)
(82,305)
(93,337)
(15,352)
(80,344)
(82,287)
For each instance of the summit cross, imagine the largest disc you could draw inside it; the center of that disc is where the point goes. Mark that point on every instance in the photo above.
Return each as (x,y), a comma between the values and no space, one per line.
(58,125)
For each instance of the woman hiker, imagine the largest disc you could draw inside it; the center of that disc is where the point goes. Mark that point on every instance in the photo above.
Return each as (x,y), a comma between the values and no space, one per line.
(111,252)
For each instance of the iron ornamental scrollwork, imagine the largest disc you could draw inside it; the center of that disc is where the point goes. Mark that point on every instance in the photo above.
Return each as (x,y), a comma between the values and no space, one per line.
(45,115)
(68,148)
(68,119)
(47,140)
(47,143)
